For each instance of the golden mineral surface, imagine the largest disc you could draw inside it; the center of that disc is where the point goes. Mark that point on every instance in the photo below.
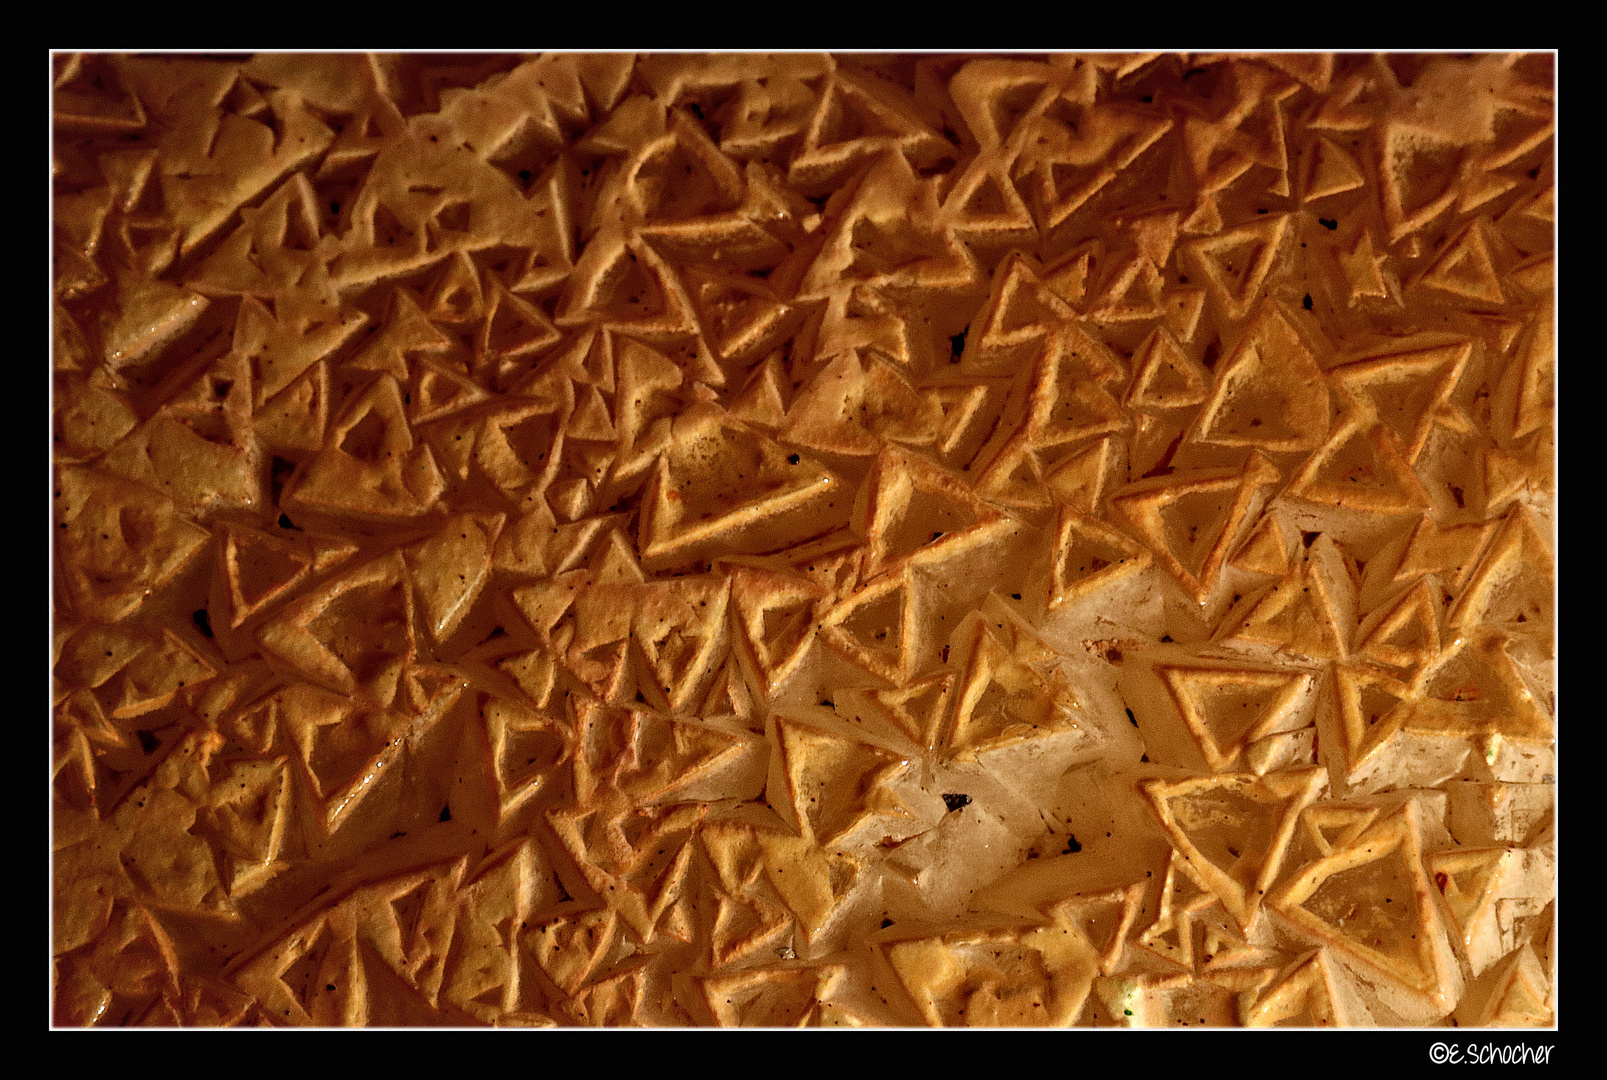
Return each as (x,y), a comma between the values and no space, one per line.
(803,540)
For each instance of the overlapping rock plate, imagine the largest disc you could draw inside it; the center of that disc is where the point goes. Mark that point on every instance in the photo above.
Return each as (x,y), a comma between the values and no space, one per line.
(778,540)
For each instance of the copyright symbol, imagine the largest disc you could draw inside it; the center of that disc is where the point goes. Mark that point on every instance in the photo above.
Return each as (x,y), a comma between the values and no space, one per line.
(1439,1053)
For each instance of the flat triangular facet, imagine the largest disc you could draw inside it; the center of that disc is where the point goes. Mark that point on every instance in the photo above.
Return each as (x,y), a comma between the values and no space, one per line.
(1225,709)
(1270,392)
(1090,555)
(1234,829)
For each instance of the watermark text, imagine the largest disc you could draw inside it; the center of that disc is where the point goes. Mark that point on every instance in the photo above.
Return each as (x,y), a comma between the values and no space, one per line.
(1442,1053)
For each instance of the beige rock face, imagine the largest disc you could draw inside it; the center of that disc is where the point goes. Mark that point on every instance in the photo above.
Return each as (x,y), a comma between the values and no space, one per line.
(868,540)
